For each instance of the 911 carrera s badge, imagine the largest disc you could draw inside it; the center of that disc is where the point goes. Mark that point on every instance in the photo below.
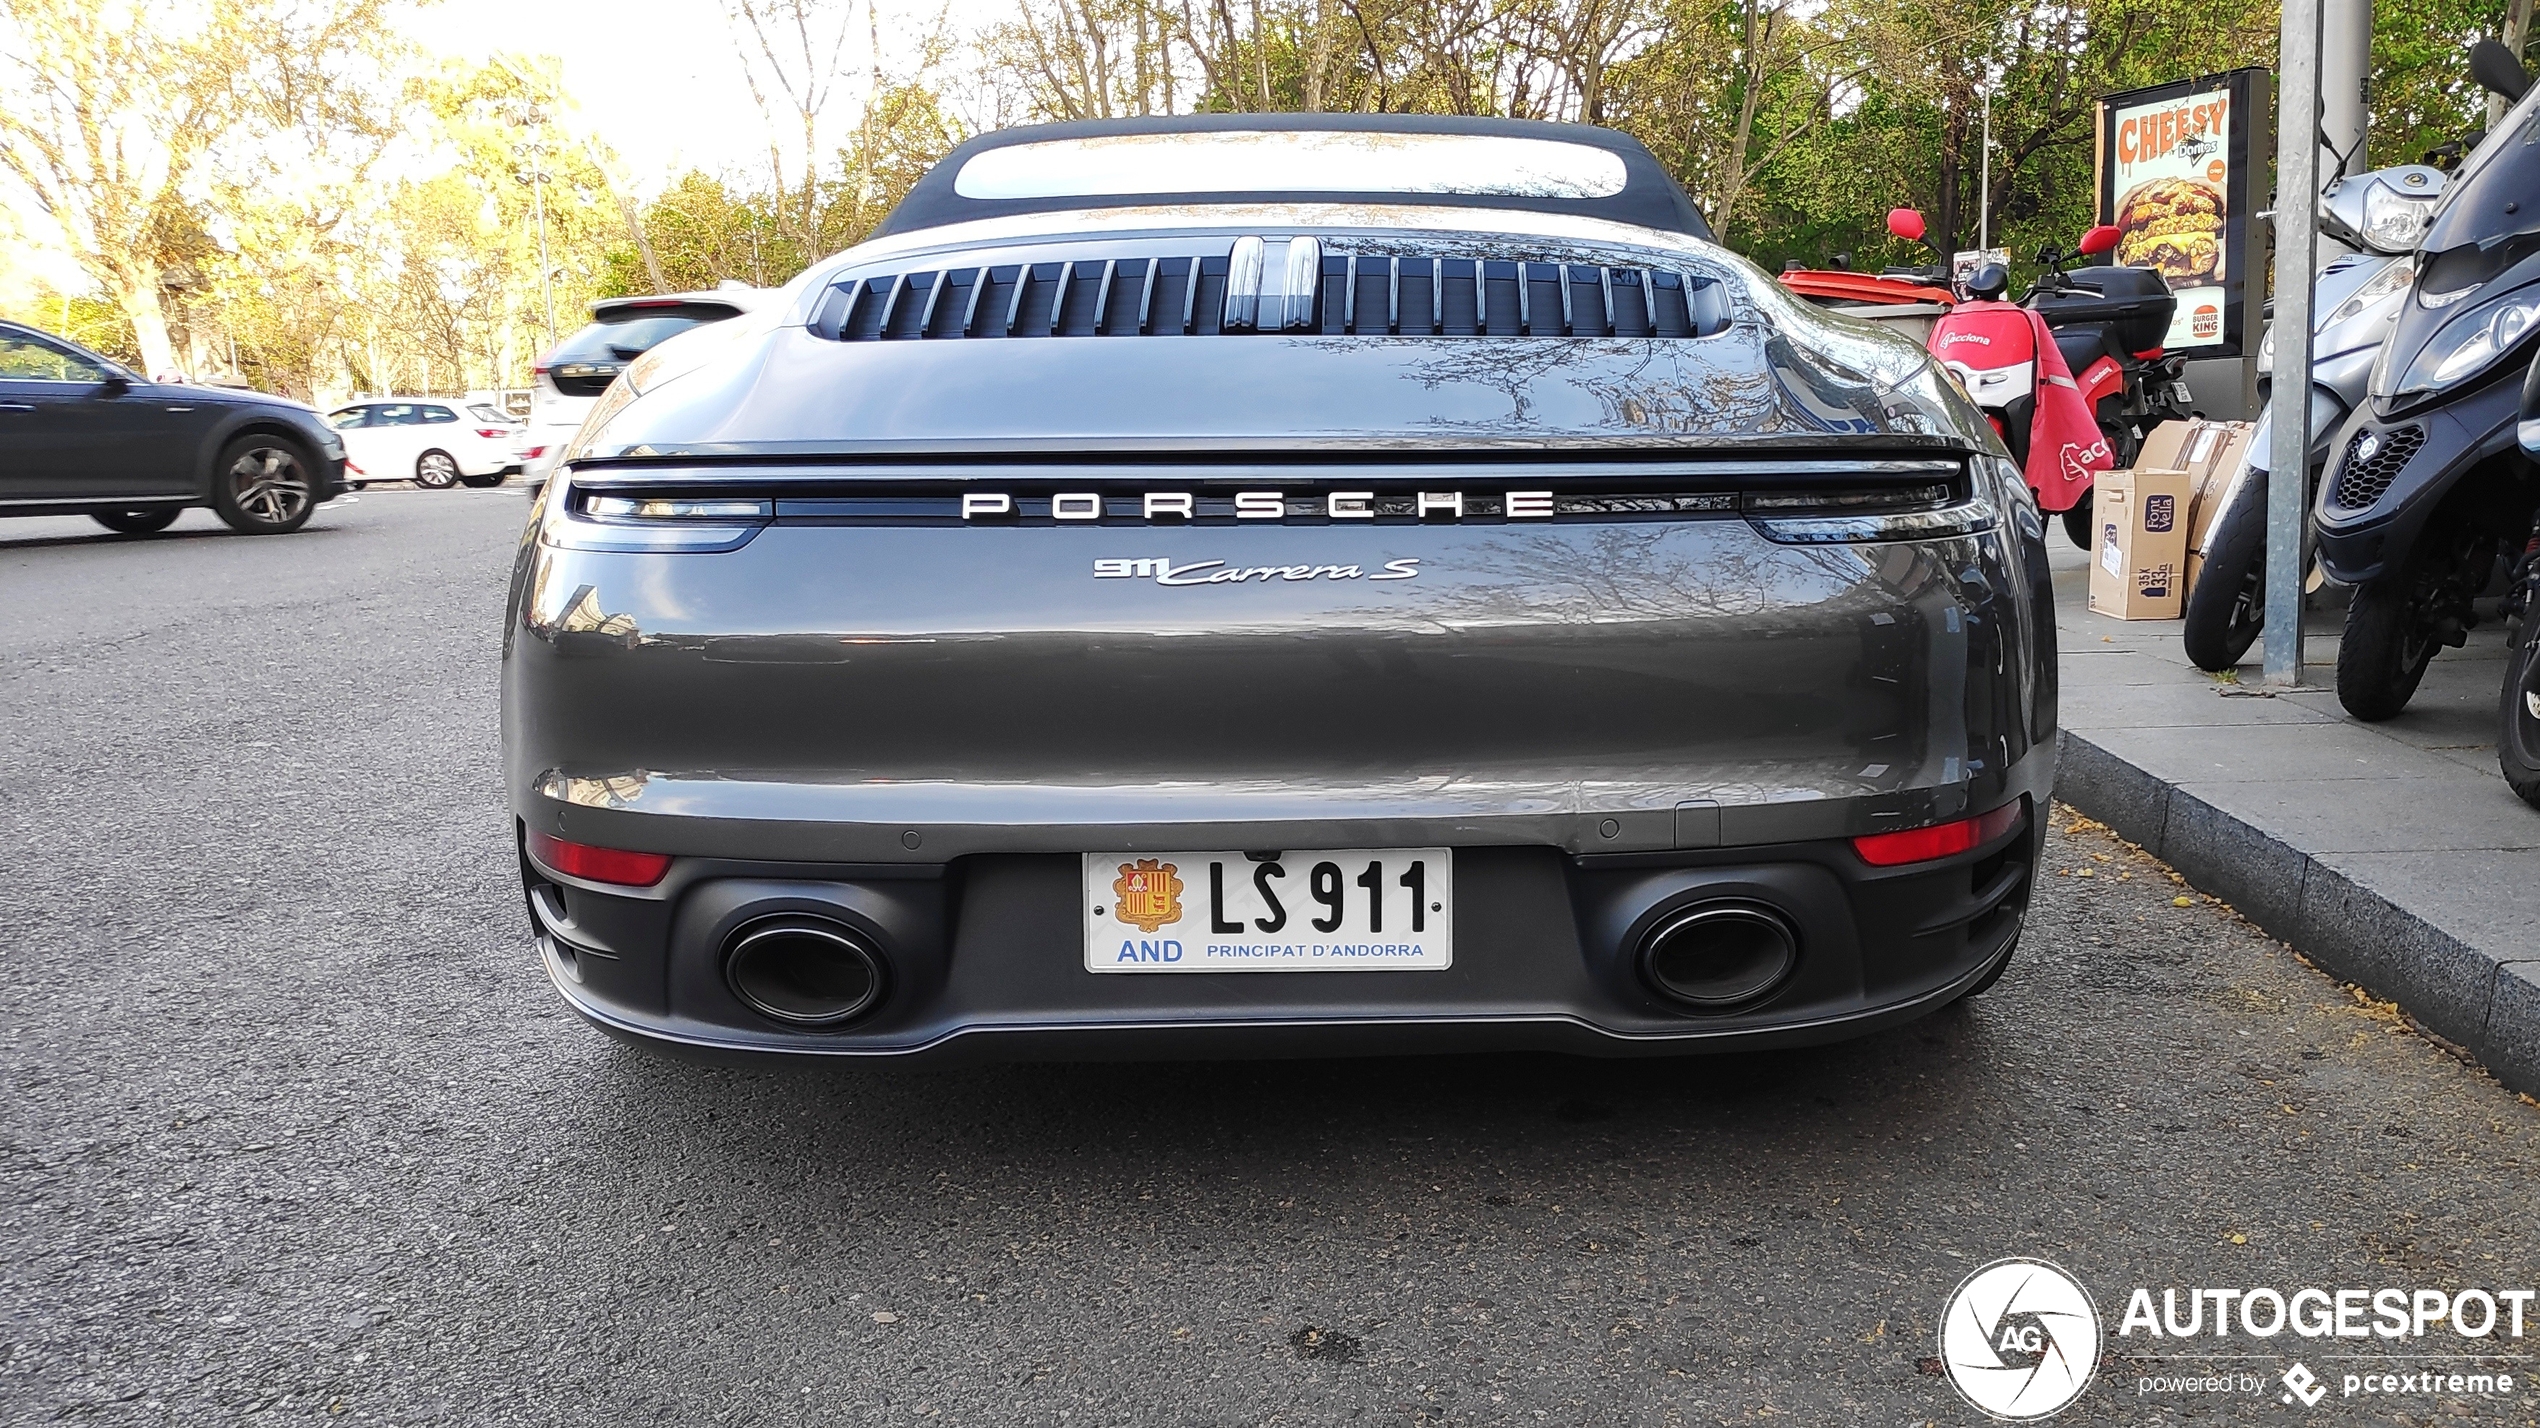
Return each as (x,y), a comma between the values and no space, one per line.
(1150,895)
(1218,572)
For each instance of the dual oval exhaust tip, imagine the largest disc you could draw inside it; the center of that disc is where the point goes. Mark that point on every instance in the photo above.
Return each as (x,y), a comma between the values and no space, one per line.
(804,971)
(812,972)
(1718,956)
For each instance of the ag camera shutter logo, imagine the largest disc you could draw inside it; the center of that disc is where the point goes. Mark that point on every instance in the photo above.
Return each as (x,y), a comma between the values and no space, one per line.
(2019,1340)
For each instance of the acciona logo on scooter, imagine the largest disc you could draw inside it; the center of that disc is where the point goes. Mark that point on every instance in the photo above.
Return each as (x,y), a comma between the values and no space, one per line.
(2077,458)
(1951,338)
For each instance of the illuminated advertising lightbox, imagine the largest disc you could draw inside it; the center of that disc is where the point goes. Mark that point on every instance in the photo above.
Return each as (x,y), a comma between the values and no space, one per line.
(2176,165)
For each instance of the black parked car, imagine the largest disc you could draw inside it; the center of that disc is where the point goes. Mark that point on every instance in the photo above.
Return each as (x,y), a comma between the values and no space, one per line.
(1280,585)
(80,435)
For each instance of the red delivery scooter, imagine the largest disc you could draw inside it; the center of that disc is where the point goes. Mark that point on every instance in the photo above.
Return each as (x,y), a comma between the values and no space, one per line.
(2017,361)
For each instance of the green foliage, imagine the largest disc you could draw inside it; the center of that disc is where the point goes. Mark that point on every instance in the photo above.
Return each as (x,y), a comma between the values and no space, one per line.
(704,231)
(92,322)
(252,226)
(2422,95)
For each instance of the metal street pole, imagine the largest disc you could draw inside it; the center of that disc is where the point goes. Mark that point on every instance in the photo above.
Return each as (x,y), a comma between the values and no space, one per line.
(2297,187)
(538,200)
(2345,67)
(1984,185)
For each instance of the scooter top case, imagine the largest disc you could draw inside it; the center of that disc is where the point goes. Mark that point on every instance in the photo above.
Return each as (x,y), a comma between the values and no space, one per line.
(2131,306)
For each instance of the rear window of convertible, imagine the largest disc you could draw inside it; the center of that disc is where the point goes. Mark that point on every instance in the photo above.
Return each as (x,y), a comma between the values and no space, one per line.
(1301,161)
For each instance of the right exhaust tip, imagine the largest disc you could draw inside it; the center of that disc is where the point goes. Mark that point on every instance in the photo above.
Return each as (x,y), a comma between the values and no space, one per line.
(1716,956)
(804,971)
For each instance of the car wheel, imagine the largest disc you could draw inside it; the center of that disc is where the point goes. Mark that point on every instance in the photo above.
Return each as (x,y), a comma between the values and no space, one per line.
(2518,734)
(2077,526)
(2228,603)
(2387,646)
(158,518)
(264,485)
(435,471)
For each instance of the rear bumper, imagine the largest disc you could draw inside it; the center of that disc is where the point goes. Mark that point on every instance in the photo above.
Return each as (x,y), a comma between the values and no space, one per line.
(985,961)
(913,729)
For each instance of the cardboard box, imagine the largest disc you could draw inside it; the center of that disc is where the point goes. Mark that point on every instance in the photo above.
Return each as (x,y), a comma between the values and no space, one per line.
(2216,450)
(2165,447)
(2138,568)
(2216,453)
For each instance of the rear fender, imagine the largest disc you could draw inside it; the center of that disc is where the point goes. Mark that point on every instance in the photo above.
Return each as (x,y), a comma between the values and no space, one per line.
(2101,379)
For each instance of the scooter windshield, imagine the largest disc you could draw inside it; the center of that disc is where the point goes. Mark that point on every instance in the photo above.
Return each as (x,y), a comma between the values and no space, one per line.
(2490,214)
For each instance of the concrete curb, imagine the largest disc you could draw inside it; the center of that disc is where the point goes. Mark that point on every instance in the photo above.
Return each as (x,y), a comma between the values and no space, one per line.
(2467,996)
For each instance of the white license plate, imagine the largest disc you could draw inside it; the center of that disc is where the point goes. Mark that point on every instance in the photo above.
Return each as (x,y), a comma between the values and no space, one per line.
(1347,910)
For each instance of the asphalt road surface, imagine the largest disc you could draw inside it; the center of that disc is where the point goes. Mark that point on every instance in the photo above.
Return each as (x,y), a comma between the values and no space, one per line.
(293,1128)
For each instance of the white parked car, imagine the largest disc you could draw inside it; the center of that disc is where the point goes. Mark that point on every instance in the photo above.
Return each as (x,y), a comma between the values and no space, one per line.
(488,417)
(570,379)
(434,444)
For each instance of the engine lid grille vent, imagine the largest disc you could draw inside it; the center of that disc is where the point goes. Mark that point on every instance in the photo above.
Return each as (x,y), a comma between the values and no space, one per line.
(1253,290)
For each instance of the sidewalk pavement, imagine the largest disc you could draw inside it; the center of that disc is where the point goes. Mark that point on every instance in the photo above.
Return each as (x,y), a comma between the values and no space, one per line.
(2390,854)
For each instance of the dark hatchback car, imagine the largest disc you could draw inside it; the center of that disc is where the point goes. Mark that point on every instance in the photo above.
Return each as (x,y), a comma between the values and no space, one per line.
(1279,586)
(81,435)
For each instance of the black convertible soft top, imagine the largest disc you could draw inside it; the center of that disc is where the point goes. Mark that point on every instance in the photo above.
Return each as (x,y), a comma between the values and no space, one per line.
(1649,196)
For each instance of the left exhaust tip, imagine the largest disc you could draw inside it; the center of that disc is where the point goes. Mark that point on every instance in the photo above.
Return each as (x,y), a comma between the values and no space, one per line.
(804,971)
(1715,956)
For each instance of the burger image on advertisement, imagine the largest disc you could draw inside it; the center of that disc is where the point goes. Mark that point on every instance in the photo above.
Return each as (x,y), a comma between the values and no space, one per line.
(2173,225)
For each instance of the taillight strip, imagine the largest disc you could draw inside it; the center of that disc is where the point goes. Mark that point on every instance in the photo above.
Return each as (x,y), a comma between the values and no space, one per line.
(1940,840)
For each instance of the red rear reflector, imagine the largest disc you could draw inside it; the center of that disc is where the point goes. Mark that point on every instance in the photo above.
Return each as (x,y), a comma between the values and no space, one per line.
(535,451)
(1941,840)
(600,865)
(495,432)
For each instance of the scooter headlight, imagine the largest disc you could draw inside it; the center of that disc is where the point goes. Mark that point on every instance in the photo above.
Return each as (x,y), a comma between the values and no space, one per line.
(2395,279)
(2464,347)
(2395,222)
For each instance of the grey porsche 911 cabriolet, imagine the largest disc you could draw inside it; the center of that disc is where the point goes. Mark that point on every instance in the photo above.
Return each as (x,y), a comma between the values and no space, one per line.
(1279,586)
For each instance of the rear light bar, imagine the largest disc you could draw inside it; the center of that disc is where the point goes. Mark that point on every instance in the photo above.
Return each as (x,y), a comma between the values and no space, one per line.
(587,520)
(599,865)
(1941,840)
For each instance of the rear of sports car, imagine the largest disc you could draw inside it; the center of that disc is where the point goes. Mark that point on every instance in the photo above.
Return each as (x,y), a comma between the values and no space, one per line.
(1354,637)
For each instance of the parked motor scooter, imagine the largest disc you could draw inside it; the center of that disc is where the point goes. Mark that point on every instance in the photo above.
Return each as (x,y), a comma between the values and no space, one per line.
(1908,299)
(2518,708)
(2354,301)
(2106,326)
(2426,487)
